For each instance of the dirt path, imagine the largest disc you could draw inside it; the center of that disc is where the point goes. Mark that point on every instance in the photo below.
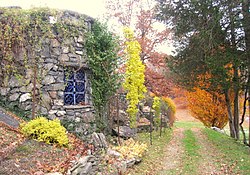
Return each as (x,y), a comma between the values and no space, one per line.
(209,160)
(174,151)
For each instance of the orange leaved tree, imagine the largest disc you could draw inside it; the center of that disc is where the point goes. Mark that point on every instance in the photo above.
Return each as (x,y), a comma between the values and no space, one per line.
(209,108)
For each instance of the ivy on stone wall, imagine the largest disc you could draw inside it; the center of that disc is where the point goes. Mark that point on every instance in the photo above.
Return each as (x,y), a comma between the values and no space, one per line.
(102,50)
(24,32)
(24,36)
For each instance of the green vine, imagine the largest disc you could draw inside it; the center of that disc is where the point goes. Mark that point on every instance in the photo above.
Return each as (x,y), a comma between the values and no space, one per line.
(102,49)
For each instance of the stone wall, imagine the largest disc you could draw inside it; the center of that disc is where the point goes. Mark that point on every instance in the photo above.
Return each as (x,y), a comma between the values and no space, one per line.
(57,55)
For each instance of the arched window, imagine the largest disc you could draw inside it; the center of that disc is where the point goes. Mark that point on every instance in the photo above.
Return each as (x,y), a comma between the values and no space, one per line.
(74,92)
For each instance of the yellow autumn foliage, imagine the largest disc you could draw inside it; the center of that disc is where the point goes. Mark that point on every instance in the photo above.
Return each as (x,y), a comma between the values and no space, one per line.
(134,76)
(48,131)
(131,149)
(170,103)
(209,108)
(171,109)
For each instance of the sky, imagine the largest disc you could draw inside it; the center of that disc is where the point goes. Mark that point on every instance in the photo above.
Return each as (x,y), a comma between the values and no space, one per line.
(94,8)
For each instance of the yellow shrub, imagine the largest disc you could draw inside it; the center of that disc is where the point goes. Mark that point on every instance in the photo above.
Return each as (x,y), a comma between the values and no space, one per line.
(171,109)
(131,149)
(134,76)
(49,131)
(170,103)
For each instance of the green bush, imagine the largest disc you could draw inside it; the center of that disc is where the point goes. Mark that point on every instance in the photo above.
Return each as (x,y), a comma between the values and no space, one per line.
(49,131)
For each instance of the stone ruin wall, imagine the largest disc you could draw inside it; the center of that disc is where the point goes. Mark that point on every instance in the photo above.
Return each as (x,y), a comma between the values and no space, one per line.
(55,57)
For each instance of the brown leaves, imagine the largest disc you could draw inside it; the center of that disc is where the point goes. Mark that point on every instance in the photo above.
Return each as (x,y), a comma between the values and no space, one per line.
(32,157)
(10,138)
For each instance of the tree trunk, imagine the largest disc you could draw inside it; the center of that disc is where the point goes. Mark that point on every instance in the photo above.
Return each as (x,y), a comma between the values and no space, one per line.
(230,115)
(246,27)
(243,118)
(236,103)
(235,74)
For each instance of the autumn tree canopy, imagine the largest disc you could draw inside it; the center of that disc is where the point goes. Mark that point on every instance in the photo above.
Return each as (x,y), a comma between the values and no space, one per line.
(215,43)
(139,15)
(209,108)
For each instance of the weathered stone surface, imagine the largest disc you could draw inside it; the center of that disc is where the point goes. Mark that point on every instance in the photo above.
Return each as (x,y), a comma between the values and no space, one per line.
(25,97)
(63,58)
(60,94)
(53,94)
(28,107)
(79,46)
(84,166)
(78,119)
(80,40)
(14,97)
(217,129)
(15,90)
(79,52)
(46,100)
(48,80)
(60,113)
(113,153)
(60,79)
(29,73)
(53,112)
(43,111)
(143,124)
(50,60)
(4,91)
(71,55)
(53,73)
(55,87)
(45,52)
(23,89)
(130,162)
(123,118)
(29,88)
(56,55)
(55,51)
(58,102)
(55,68)
(13,82)
(55,43)
(75,60)
(99,140)
(65,49)
(125,131)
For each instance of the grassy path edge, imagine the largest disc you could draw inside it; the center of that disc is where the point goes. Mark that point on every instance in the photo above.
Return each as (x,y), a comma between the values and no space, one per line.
(236,155)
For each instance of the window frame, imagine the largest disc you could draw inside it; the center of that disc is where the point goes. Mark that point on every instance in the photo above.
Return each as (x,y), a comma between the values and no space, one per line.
(74,80)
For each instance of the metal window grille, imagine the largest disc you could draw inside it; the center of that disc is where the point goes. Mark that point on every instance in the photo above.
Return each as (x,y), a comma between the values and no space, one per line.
(74,92)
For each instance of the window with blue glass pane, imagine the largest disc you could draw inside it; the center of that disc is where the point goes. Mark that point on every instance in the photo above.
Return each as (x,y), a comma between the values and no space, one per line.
(74,92)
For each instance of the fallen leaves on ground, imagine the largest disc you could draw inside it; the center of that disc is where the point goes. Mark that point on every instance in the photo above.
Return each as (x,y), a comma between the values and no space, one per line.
(10,138)
(30,157)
